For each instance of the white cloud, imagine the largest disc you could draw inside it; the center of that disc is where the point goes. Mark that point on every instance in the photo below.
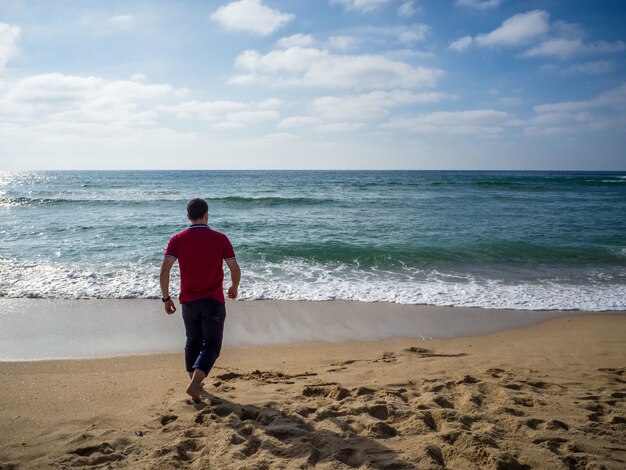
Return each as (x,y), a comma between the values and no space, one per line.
(479,122)
(271,103)
(559,118)
(9,35)
(408,54)
(510,101)
(533,131)
(138,77)
(61,93)
(407,9)
(251,16)
(251,117)
(568,30)
(602,112)
(563,49)
(295,40)
(339,127)
(204,110)
(518,29)
(342,43)
(371,105)
(121,21)
(299,121)
(227,126)
(361,5)
(598,67)
(90,109)
(461,44)
(221,110)
(408,34)
(318,68)
(68,109)
(615,98)
(479,4)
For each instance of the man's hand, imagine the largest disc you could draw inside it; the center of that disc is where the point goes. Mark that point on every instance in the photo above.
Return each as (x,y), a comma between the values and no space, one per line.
(235,277)
(169,307)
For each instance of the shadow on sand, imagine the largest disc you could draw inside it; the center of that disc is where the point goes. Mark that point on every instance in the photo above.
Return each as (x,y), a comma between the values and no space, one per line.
(293,437)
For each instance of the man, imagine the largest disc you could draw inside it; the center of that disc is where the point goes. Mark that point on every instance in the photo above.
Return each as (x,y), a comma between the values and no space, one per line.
(200,252)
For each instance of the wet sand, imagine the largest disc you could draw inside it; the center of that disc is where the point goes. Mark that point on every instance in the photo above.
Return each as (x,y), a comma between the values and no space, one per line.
(550,395)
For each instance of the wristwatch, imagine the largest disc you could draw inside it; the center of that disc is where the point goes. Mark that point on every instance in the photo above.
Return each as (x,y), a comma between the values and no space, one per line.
(166,299)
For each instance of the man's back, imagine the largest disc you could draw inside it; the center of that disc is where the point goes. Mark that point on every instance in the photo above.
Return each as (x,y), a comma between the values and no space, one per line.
(200,251)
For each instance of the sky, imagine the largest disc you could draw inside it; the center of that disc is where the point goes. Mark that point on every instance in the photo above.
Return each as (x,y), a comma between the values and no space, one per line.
(313,84)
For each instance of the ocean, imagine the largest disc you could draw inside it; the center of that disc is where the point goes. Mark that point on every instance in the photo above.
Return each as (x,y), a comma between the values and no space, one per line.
(520,240)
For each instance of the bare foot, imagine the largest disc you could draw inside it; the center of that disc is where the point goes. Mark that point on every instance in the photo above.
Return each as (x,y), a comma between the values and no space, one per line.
(194,393)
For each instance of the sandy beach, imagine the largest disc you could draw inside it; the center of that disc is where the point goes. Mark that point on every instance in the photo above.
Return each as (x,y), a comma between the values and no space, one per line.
(550,395)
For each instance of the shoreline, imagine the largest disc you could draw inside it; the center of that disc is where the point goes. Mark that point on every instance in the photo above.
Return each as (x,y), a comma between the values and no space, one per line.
(65,329)
(549,395)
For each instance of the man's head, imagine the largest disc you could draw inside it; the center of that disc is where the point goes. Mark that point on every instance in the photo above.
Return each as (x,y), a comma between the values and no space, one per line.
(197,208)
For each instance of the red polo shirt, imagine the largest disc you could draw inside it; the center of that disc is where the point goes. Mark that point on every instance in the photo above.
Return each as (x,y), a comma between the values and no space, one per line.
(200,251)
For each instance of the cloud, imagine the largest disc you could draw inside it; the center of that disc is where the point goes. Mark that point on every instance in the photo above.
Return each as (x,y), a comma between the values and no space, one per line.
(121,21)
(75,101)
(299,121)
(563,49)
(9,35)
(271,103)
(221,110)
(251,16)
(510,101)
(204,110)
(361,6)
(479,4)
(479,122)
(339,127)
(461,44)
(372,105)
(598,67)
(517,30)
(228,126)
(404,34)
(313,67)
(606,110)
(251,117)
(615,98)
(407,9)
(342,43)
(295,40)
(92,109)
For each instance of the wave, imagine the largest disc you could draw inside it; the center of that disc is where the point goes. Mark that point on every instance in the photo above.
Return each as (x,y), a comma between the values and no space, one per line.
(502,251)
(549,183)
(227,200)
(298,280)
(271,201)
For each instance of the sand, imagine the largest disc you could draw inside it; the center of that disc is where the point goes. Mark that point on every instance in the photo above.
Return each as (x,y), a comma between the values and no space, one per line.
(547,396)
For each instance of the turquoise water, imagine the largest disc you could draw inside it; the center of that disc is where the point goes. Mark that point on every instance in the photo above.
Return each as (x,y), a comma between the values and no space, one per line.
(527,240)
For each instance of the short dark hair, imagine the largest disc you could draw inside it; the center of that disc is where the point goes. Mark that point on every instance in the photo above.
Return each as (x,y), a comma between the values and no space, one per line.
(196,208)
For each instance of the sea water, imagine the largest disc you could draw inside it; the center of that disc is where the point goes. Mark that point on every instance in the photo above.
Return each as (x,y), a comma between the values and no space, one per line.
(521,240)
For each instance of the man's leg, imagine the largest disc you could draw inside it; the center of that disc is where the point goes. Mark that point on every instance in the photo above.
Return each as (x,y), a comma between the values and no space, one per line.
(193,390)
(193,331)
(213,315)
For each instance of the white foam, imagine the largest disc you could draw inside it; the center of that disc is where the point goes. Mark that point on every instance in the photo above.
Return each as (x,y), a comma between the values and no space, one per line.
(299,280)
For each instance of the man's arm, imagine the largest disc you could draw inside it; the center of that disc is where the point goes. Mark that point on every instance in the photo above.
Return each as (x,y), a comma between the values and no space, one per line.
(235,277)
(164,279)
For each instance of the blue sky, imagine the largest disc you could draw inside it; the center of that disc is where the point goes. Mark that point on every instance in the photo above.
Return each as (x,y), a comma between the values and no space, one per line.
(351,84)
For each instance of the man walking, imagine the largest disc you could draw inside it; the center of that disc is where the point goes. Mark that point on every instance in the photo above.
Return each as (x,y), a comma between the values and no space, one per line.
(200,252)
